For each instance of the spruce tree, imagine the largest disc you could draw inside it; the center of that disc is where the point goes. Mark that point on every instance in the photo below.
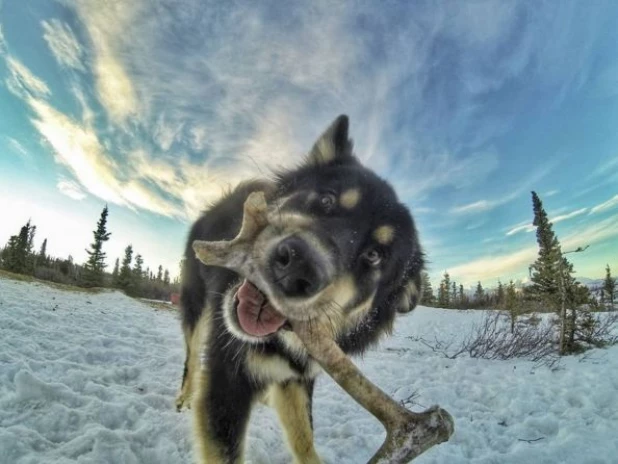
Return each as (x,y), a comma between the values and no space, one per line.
(553,284)
(500,294)
(511,304)
(444,297)
(166,277)
(19,257)
(94,267)
(479,295)
(609,287)
(9,254)
(42,258)
(545,279)
(427,294)
(160,274)
(138,275)
(116,273)
(454,294)
(125,279)
(462,297)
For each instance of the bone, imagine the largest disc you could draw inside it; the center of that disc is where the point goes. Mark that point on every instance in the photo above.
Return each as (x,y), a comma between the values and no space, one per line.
(408,434)
(234,254)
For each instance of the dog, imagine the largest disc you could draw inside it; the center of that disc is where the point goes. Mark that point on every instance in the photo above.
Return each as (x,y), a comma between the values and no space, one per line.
(339,248)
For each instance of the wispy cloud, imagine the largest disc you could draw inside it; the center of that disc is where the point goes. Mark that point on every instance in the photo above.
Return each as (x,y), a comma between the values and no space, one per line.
(605,206)
(2,40)
(71,189)
(19,148)
(105,24)
(493,267)
(528,227)
(22,83)
(63,43)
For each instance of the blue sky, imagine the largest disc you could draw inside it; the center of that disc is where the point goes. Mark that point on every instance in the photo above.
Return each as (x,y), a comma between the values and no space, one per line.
(156,106)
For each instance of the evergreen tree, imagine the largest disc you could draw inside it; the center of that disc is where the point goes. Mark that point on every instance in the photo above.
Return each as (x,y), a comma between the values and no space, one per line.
(10,254)
(427,293)
(462,297)
(138,271)
(444,297)
(609,287)
(94,267)
(116,273)
(20,256)
(160,274)
(454,300)
(166,277)
(552,281)
(511,304)
(500,295)
(479,294)
(30,256)
(125,279)
(42,258)
(138,275)
(546,279)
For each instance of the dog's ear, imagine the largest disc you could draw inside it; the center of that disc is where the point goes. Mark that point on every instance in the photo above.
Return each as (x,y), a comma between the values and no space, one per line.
(334,146)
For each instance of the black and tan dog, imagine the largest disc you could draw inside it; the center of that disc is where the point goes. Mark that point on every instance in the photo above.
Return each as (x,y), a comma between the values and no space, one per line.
(339,247)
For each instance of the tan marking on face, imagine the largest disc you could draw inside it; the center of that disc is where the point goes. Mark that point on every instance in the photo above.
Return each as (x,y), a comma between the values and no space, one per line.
(384,234)
(350,198)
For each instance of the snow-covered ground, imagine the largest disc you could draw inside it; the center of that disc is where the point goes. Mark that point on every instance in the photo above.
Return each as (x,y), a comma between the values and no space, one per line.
(91,378)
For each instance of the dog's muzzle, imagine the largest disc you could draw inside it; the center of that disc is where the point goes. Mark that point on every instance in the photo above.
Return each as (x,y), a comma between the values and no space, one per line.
(296,268)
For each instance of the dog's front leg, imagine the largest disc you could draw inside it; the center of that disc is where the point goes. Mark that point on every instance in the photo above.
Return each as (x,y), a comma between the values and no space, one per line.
(221,410)
(292,400)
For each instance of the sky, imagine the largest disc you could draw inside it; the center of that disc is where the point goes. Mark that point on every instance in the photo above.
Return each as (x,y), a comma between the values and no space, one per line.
(155,107)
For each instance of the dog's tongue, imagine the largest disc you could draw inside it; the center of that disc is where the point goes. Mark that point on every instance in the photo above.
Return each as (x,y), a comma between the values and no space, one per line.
(255,317)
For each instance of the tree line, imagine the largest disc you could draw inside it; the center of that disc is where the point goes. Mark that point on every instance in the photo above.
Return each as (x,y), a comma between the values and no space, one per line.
(552,288)
(19,256)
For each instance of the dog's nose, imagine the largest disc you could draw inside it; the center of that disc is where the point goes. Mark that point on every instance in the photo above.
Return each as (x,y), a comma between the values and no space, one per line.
(296,268)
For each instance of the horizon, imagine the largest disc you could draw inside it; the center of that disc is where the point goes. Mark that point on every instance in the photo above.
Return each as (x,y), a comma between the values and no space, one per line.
(156,108)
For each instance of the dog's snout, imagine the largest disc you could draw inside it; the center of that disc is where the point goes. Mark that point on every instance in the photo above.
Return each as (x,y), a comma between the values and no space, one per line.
(296,268)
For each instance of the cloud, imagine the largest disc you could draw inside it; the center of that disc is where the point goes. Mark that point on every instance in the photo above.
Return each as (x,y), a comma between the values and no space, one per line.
(71,189)
(564,217)
(105,23)
(22,82)
(476,207)
(2,39)
(525,227)
(609,204)
(528,227)
(63,44)
(19,148)
(508,264)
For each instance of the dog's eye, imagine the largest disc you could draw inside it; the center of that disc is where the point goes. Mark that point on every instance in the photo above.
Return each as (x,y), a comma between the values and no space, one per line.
(327,201)
(373,257)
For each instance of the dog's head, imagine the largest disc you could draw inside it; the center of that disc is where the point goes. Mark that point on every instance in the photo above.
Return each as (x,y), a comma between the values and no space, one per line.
(339,247)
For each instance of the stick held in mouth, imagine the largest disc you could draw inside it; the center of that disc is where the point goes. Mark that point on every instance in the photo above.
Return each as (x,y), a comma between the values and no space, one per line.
(408,434)
(234,254)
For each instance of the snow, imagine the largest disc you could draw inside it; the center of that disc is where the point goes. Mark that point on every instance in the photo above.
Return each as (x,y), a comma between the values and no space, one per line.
(91,378)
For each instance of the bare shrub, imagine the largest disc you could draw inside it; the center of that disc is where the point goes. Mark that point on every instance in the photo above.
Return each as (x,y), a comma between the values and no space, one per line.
(492,339)
(596,329)
(531,339)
